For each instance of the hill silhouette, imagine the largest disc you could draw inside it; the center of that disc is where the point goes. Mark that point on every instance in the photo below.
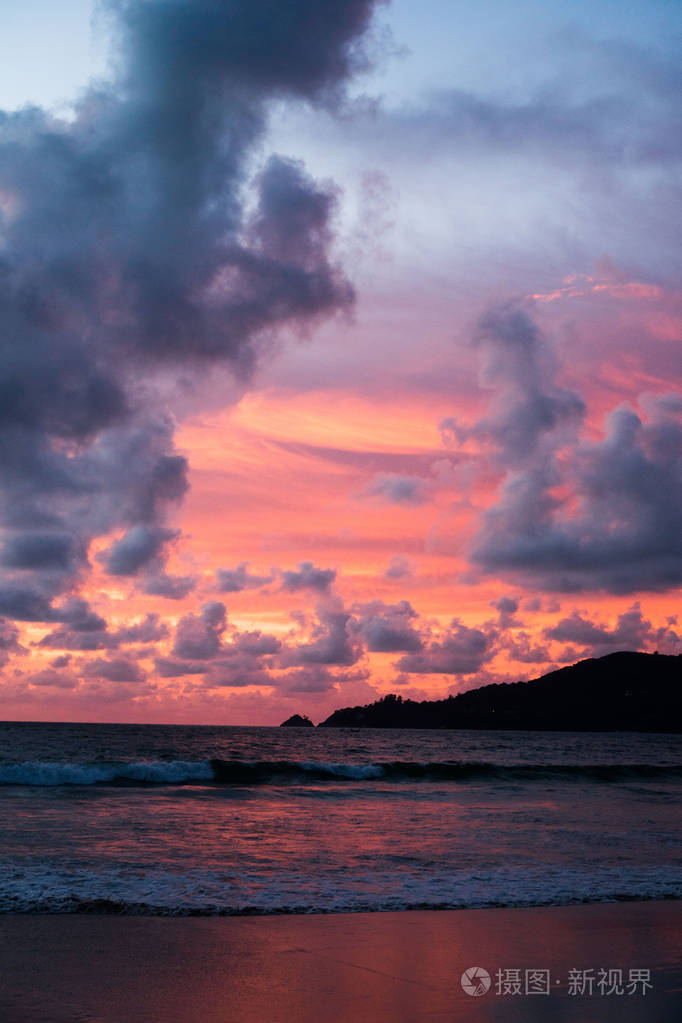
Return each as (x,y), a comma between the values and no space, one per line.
(623,691)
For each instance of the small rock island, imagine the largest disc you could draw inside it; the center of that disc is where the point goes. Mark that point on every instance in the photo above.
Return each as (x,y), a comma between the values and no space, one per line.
(297,721)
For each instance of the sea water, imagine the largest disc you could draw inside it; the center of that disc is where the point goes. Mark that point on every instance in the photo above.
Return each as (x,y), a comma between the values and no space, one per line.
(221,820)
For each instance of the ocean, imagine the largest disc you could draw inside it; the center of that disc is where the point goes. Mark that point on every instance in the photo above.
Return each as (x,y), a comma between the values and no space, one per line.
(199,820)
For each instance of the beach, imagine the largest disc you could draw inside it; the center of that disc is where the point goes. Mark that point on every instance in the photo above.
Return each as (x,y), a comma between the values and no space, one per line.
(359,967)
(255,875)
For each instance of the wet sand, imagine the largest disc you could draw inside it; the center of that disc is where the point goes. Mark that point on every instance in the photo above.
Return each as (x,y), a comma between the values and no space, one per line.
(350,968)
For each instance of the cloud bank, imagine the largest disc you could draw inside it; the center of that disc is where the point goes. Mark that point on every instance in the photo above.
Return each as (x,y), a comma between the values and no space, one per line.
(136,245)
(573,513)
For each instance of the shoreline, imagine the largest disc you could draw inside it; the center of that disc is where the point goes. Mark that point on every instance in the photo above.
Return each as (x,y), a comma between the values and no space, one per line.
(135,911)
(374,967)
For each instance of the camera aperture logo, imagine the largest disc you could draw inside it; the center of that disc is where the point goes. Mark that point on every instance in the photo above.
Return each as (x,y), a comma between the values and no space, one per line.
(476,981)
(590,982)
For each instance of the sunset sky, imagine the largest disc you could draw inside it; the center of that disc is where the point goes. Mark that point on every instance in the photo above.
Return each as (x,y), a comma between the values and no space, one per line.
(340,350)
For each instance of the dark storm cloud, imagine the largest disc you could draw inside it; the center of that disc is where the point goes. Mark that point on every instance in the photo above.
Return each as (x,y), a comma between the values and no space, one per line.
(61,662)
(620,527)
(64,638)
(298,49)
(228,658)
(332,639)
(139,546)
(118,669)
(507,608)
(85,630)
(149,630)
(199,649)
(519,364)
(77,614)
(234,580)
(198,637)
(252,644)
(30,606)
(308,577)
(174,587)
(9,641)
(25,605)
(168,667)
(41,550)
(387,628)
(521,647)
(237,672)
(461,650)
(50,678)
(133,247)
(631,632)
(245,661)
(314,680)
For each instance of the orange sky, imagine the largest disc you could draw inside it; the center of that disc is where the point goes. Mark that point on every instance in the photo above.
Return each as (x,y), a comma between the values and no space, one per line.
(285,478)
(383,395)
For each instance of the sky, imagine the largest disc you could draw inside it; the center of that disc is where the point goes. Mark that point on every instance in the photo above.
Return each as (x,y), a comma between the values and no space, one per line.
(340,350)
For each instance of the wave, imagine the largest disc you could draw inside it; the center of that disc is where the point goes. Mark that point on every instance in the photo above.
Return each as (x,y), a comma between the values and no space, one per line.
(282,772)
(264,772)
(114,907)
(159,890)
(159,772)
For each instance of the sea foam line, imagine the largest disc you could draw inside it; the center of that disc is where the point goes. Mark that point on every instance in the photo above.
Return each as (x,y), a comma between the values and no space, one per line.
(278,772)
(159,772)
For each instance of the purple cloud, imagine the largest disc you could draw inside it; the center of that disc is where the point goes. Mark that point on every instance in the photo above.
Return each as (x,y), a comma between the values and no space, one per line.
(399,567)
(387,628)
(308,577)
(410,491)
(332,640)
(142,249)
(462,650)
(234,580)
(620,530)
(198,637)
(631,632)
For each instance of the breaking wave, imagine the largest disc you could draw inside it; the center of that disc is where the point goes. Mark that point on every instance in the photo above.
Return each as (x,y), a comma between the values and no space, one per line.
(282,772)
(159,772)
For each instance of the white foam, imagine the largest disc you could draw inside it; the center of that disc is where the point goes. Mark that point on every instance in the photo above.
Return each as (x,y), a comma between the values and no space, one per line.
(41,773)
(210,892)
